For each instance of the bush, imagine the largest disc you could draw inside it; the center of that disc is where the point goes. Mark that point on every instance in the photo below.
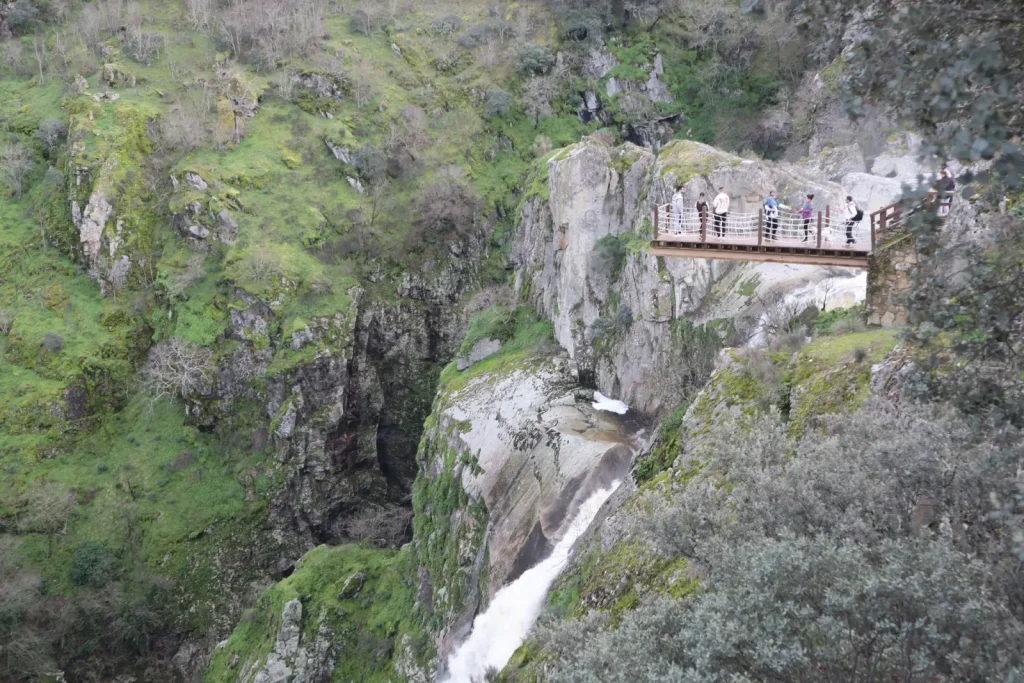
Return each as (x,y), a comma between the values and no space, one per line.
(50,133)
(177,368)
(93,565)
(24,16)
(7,317)
(53,342)
(15,164)
(446,25)
(826,555)
(446,206)
(610,255)
(810,609)
(534,59)
(371,163)
(498,102)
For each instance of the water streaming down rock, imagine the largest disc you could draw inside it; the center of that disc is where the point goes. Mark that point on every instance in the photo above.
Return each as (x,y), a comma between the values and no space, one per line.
(602,402)
(503,627)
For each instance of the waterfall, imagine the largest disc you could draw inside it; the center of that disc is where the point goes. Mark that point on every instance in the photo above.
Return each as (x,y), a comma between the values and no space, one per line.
(503,627)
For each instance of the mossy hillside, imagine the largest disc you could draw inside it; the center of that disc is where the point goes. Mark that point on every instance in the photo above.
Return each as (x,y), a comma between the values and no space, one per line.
(362,628)
(166,497)
(448,529)
(610,582)
(833,374)
(684,160)
(93,344)
(619,579)
(525,339)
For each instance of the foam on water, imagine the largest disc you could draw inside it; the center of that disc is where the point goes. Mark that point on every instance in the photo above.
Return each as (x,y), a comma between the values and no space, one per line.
(602,402)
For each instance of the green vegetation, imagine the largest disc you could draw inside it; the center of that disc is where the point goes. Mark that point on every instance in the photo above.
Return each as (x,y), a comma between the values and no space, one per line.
(526,340)
(358,625)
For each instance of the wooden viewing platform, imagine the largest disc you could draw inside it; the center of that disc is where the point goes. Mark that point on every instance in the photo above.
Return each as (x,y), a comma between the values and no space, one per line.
(787,239)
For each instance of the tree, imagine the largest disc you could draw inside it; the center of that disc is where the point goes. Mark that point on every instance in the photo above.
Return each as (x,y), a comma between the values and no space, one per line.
(498,102)
(370,163)
(958,84)
(534,59)
(51,132)
(93,565)
(446,206)
(47,509)
(15,164)
(536,98)
(177,368)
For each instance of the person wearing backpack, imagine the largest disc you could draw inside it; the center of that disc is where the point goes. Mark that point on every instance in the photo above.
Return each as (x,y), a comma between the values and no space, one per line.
(771,212)
(807,212)
(854,215)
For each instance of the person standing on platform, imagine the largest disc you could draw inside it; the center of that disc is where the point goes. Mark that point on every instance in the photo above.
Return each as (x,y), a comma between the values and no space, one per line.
(702,212)
(677,210)
(721,208)
(807,212)
(771,212)
(854,215)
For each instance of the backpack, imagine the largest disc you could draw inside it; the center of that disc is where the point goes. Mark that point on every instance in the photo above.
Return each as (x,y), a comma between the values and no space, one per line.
(860,213)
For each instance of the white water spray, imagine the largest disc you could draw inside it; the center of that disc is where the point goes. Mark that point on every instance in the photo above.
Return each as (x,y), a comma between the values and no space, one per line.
(602,402)
(503,627)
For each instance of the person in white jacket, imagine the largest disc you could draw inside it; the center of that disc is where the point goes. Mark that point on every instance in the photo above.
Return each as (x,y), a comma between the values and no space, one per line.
(721,209)
(677,210)
(853,216)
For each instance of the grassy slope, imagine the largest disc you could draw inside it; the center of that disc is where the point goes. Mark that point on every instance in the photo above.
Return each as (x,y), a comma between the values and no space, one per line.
(288,196)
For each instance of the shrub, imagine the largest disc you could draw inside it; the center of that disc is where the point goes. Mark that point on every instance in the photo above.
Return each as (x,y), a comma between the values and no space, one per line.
(370,162)
(835,550)
(23,16)
(810,609)
(446,25)
(187,125)
(53,342)
(15,164)
(50,133)
(534,59)
(446,206)
(610,255)
(498,102)
(93,565)
(6,320)
(177,368)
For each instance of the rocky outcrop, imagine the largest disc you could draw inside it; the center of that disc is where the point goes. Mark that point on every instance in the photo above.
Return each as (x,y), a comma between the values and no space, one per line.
(295,658)
(581,257)
(519,449)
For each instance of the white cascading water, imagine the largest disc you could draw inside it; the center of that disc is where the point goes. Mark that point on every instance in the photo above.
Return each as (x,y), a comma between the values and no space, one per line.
(602,402)
(503,627)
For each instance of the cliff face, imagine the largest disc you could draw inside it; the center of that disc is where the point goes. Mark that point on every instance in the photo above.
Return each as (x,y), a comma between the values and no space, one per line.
(580,257)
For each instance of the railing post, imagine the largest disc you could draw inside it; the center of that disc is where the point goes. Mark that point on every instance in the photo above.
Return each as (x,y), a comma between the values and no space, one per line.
(657,231)
(819,229)
(703,227)
(760,225)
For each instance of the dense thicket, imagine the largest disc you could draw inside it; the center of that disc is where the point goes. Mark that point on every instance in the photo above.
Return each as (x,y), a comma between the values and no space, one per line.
(868,554)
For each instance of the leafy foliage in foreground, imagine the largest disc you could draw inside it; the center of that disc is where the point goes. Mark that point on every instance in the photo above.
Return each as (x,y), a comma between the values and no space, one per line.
(867,554)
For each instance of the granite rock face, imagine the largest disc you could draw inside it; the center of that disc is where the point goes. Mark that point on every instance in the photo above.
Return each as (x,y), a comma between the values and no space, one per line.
(597,194)
(527,448)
